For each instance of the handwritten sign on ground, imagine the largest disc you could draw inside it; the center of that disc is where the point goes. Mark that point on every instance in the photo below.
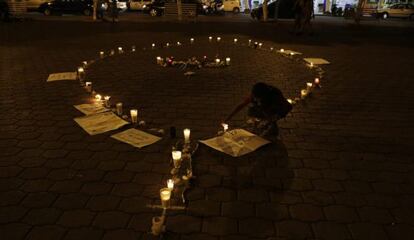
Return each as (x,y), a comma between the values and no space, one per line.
(136,137)
(100,123)
(316,61)
(62,76)
(91,108)
(236,143)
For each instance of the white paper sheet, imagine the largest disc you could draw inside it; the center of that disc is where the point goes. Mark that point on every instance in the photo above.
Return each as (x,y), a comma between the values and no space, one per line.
(236,142)
(100,123)
(136,137)
(91,108)
(316,61)
(62,76)
(288,52)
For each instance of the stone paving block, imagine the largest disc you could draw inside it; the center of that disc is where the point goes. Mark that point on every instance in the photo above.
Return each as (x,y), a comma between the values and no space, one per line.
(293,229)
(46,232)
(325,185)
(221,194)
(76,218)
(14,231)
(237,209)
(103,203)
(39,200)
(256,227)
(11,197)
(219,226)
(83,233)
(118,177)
(111,220)
(96,188)
(121,234)
(71,201)
(204,208)
(317,198)
(367,231)
(341,214)
(329,230)
(273,211)
(198,236)
(12,214)
(45,216)
(253,195)
(306,212)
(375,215)
(127,189)
(400,231)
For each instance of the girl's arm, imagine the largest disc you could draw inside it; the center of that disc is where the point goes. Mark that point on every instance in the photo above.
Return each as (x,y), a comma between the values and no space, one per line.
(238,108)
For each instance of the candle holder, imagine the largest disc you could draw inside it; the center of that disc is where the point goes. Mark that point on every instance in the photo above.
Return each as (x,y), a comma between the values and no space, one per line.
(250,43)
(88,87)
(134,116)
(158,226)
(101,54)
(120,50)
(119,109)
(191,40)
(235,40)
(107,101)
(81,74)
(133,49)
(210,38)
(317,82)
(165,195)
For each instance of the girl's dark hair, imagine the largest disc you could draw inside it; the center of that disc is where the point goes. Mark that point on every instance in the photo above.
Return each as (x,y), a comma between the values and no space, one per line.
(266,93)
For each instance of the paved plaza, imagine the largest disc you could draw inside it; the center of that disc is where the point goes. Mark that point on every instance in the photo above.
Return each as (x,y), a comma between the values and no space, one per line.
(342,169)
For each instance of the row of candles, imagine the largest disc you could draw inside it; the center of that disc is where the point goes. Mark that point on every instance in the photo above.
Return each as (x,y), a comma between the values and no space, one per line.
(169,60)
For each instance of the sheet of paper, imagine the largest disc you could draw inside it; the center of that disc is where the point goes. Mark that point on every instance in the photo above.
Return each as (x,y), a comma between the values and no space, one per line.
(316,61)
(136,137)
(100,123)
(236,143)
(91,108)
(62,76)
(288,52)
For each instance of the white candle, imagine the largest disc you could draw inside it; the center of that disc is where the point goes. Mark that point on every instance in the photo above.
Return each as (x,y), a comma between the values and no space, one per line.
(225,126)
(165,195)
(218,39)
(250,42)
(134,115)
(157,225)
(282,50)
(308,86)
(303,93)
(120,50)
(119,108)
(81,73)
(291,54)
(85,64)
(187,135)
(210,38)
(168,44)
(271,49)
(317,81)
(260,45)
(290,100)
(133,48)
(217,60)
(170,184)
(192,40)
(311,64)
(98,98)
(176,155)
(227,61)
(178,43)
(153,45)
(112,52)
(235,40)
(88,86)
(159,60)
(101,54)
(107,103)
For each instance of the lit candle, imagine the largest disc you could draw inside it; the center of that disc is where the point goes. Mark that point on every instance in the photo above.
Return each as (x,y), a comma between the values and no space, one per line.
(112,52)
(107,102)
(157,225)
(227,61)
(119,108)
(85,64)
(101,54)
(311,64)
(178,43)
(235,40)
(282,50)
(290,101)
(217,60)
(250,42)
(81,73)
(260,45)
(192,40)
(210,38)
(120,50)
(168,44)
(308,86)
(225,126)
(165,195)
(255,44)
(98,98)
(271,49)
(133,48)
(291,54)
(317,81)
(176,156)
(186,135)
(218,39)
(153,45)
(170,184)
(88,86)
(134,115)
(303,93)
(159,60)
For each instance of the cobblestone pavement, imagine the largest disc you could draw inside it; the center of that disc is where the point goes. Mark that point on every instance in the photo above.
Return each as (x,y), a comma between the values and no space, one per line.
(343,168)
